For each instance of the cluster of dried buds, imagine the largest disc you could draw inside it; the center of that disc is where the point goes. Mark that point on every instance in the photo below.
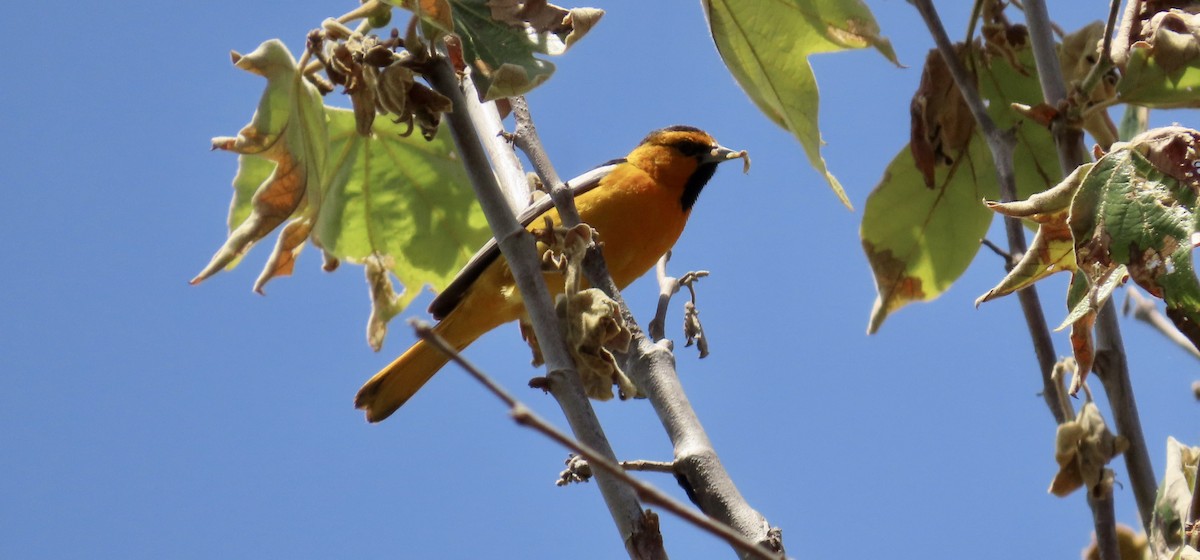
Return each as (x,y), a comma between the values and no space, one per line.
(379,75)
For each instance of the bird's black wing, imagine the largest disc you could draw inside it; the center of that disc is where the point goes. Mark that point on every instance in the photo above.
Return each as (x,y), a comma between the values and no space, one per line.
(446,301)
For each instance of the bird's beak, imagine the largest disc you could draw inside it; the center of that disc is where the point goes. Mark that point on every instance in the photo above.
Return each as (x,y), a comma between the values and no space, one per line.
(721,154)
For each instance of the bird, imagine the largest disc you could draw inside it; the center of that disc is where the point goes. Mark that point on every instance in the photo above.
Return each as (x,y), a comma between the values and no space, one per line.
(639,206)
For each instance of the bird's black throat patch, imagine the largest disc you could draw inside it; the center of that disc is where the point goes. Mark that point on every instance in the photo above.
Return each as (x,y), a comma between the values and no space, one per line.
(695,183)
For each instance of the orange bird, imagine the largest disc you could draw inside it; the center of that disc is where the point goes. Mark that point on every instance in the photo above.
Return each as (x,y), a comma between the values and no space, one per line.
(639,208)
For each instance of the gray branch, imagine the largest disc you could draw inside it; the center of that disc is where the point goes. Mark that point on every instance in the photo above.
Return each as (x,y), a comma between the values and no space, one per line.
(1002,144)
(518,247)
(652,368)
(526,417)
(1145,311)
(1111,365)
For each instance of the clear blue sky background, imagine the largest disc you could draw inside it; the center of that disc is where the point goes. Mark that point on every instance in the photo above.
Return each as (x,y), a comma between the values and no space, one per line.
(141,417)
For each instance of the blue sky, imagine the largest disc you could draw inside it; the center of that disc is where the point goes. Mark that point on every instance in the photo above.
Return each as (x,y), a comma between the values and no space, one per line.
(143,417)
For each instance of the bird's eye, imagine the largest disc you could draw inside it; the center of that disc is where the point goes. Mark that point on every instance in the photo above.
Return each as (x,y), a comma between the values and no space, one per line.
(691,148)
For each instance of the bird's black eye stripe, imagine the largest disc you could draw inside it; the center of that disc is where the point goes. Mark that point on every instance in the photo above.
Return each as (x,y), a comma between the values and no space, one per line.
(691,148)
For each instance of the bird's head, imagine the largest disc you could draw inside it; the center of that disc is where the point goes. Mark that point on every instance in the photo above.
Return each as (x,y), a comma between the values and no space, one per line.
(683,157)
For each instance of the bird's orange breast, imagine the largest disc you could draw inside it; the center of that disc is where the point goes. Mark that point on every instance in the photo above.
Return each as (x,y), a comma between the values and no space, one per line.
(638,218)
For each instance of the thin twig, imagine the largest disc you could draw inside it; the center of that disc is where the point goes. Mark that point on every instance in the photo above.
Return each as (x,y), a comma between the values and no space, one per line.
(578,469)
(1009,261)
(668,286)
(1111,364)
(518,247)
(648,493)
(1105,62)
(1001,145)
(649,466)
(526,138)
(652,368)
(1144,310)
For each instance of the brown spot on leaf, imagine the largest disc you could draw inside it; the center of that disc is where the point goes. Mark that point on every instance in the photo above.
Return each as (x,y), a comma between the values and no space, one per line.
(895,286)
(1174,150)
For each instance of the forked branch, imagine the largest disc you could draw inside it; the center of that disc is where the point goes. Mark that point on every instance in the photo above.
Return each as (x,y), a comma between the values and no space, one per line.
(598,461)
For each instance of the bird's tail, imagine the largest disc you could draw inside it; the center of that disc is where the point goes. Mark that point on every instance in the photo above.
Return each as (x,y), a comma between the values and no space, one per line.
(389,389)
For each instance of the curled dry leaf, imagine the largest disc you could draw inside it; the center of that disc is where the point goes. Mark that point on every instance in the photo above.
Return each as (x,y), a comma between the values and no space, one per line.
(592,324)
(545,18)
(1132,214)
(500,38)
(385,301)
(1158,51)
(289,131)
(693,330)
(1171,506)
(1082,448)
(596,329)
(1172,36)
(942,123)
(379,79)
(1052,249)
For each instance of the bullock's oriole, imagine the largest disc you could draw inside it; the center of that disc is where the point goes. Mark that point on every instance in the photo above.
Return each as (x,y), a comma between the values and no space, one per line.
(639,209)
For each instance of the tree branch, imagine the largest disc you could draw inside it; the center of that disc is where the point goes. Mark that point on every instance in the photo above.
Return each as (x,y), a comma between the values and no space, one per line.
(517,246)
(652,368)
(1113,372)
(487,122)
(1104,519)
(1111,365)
(599,461)
(1001,144)
(1144,310)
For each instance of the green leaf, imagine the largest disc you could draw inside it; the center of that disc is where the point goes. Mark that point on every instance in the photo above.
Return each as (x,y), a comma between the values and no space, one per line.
(920,240)
(288,131)
(775,73)
(1052,249)
(1035,159)
(1145,82)
(404,203)
(1137,207)
(500,39)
